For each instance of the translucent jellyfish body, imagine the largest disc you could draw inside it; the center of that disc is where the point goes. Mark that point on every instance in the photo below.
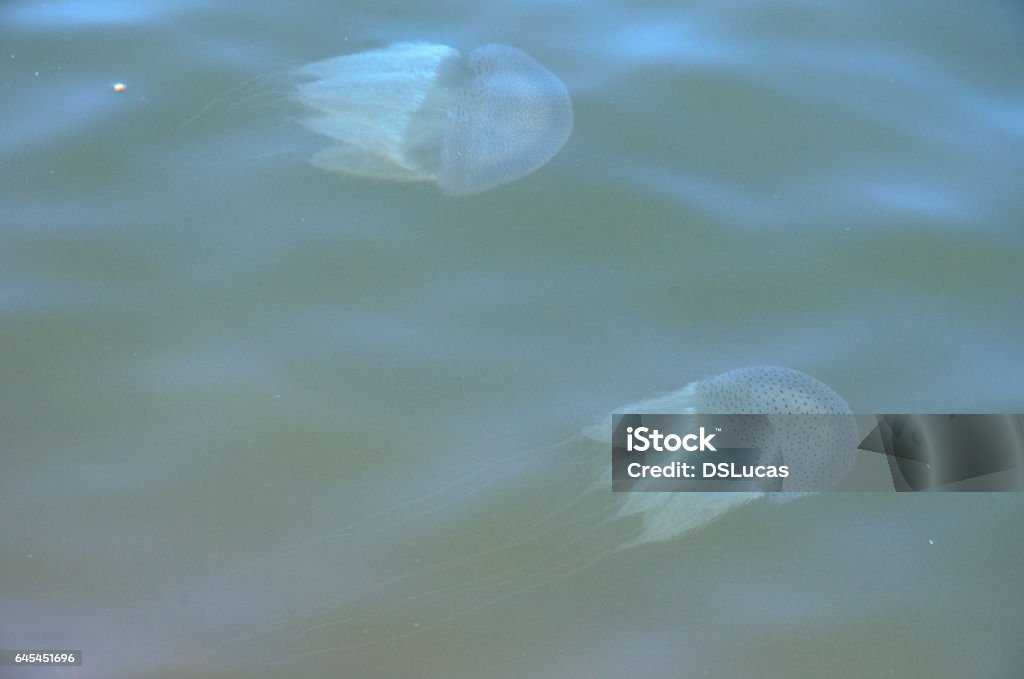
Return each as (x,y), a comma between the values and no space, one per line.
(418,111)
(520,522)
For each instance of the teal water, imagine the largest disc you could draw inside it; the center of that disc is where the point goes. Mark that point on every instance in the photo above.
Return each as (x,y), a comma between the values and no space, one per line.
(261,420)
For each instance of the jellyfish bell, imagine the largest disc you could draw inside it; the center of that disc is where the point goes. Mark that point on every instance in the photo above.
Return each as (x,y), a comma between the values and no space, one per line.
(572,524)
(418,111)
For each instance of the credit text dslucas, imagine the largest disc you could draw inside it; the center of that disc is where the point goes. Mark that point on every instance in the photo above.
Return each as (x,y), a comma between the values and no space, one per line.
(646,439)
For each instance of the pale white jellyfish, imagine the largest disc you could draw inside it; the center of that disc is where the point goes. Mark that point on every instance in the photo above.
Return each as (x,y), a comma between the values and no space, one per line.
(418,111)
(582,525)
(818,451)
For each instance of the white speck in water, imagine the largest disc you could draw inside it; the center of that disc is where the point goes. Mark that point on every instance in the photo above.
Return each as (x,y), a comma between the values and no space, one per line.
(930,541)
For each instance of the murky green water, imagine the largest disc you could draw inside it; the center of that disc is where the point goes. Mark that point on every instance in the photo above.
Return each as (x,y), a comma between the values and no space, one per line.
(261,420)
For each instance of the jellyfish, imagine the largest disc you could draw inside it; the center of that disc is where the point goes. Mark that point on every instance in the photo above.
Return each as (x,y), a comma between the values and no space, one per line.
(418,111)
(819,451)
(573,524)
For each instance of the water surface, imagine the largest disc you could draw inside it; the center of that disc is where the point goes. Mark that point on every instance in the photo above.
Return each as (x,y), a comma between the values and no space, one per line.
(260,420)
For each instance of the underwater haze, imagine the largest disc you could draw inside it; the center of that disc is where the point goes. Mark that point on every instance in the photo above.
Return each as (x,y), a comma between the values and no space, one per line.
(258,419)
